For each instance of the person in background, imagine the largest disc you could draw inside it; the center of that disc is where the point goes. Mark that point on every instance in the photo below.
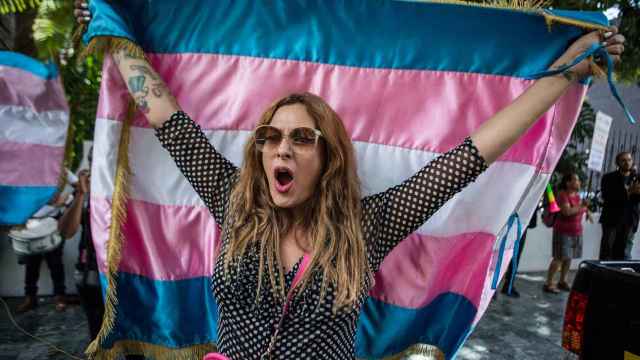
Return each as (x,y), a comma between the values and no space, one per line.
(620,211)
(567,232)
(86,275)
(54,262)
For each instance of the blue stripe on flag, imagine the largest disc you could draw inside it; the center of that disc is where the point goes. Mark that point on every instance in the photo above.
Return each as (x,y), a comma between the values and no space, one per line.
(173,314)
(44,70)
(163,313)
(386,329)
(19,203)
(362,33)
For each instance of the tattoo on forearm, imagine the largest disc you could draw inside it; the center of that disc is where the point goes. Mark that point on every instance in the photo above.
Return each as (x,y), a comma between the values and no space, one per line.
(568,74)
(142,80)
(132,55)
(141,103)
(158,89)
(136,83)
(139,91)
(145,70)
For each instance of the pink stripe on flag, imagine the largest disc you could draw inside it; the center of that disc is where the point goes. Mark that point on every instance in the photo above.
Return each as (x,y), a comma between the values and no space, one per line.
(422,267)
(22,88)
(160,246)
(162,242)
(230,92)
(30,164)
(488,282)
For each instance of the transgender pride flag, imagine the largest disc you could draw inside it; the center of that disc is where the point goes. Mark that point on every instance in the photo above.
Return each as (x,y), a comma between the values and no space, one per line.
(410,80)
(34,118)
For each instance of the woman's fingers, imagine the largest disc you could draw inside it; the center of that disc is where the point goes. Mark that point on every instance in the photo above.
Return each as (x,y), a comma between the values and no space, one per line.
(78,15)
(615,49)
(617,39)
(81,12)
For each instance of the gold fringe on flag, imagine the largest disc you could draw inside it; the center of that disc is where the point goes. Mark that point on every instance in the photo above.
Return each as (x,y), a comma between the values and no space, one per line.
(497,4)
(17,6)
(536,7)
(156,352)
(429,352)
(99,44)
(116,238)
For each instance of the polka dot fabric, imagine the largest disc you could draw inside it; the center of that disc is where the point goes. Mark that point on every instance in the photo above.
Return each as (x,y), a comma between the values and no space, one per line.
(311,329)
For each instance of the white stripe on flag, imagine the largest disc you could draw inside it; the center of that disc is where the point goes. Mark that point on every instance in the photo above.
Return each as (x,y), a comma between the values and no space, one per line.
(21,124)
(483,206)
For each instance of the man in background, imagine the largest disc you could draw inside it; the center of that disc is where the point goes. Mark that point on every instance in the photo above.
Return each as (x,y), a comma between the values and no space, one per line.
(620,211)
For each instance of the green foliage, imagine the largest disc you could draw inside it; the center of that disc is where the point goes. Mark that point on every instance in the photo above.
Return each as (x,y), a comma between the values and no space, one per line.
(574,158)
(82,85)
(15,6)
(53,31)
(53,27)
(629,68)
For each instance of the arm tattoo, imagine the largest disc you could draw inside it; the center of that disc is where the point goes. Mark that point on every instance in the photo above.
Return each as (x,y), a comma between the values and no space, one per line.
(132,55)
(159,88)
(568,74)
(139,91)
(136,83)
(143,69)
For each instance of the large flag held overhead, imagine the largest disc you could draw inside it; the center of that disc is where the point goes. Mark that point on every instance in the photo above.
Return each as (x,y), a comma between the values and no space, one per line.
(34,118)
(410,80)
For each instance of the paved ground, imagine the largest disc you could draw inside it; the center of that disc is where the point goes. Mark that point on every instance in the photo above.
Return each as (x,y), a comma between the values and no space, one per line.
(527,328)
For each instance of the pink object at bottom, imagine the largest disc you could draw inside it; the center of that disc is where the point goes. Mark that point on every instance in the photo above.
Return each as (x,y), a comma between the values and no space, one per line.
(215,356)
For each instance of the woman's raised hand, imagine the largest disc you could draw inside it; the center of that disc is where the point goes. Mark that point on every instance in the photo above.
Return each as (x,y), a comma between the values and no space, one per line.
(613,42)
(81,12)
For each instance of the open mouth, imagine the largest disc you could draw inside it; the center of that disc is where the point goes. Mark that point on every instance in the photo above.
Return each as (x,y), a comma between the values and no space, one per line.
(284,179)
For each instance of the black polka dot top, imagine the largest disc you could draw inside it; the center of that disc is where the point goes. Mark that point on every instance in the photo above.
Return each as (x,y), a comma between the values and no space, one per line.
(310,329)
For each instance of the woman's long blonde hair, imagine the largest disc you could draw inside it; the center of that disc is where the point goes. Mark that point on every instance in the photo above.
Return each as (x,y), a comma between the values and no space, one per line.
(331,217)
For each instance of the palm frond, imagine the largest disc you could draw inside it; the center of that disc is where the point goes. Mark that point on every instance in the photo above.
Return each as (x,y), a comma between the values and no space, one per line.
(16,6)
(53,27)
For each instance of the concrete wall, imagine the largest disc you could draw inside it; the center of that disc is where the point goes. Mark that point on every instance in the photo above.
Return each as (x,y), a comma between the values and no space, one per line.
(12,274)
(537,250)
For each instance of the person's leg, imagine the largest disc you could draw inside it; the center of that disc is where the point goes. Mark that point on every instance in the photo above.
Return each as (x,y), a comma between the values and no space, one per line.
(606,243)
(619,243)
(31,276)
(91,300)
(56,268)
(564,273)
(549,286)
(629,245)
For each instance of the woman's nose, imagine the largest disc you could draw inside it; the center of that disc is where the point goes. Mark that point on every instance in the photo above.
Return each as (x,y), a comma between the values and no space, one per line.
(284,148)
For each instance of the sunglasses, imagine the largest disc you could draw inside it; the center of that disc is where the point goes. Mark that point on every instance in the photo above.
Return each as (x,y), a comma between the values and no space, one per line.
(302,139)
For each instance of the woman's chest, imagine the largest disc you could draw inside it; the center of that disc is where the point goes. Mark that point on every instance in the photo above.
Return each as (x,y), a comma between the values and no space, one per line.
(244,283)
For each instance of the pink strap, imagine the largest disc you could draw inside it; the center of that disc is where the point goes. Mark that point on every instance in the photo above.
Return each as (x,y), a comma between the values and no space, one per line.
(215,356)
(303,266)
(296,279)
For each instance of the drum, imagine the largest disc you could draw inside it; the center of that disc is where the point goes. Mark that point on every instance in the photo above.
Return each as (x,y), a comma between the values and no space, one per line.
(38,236)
